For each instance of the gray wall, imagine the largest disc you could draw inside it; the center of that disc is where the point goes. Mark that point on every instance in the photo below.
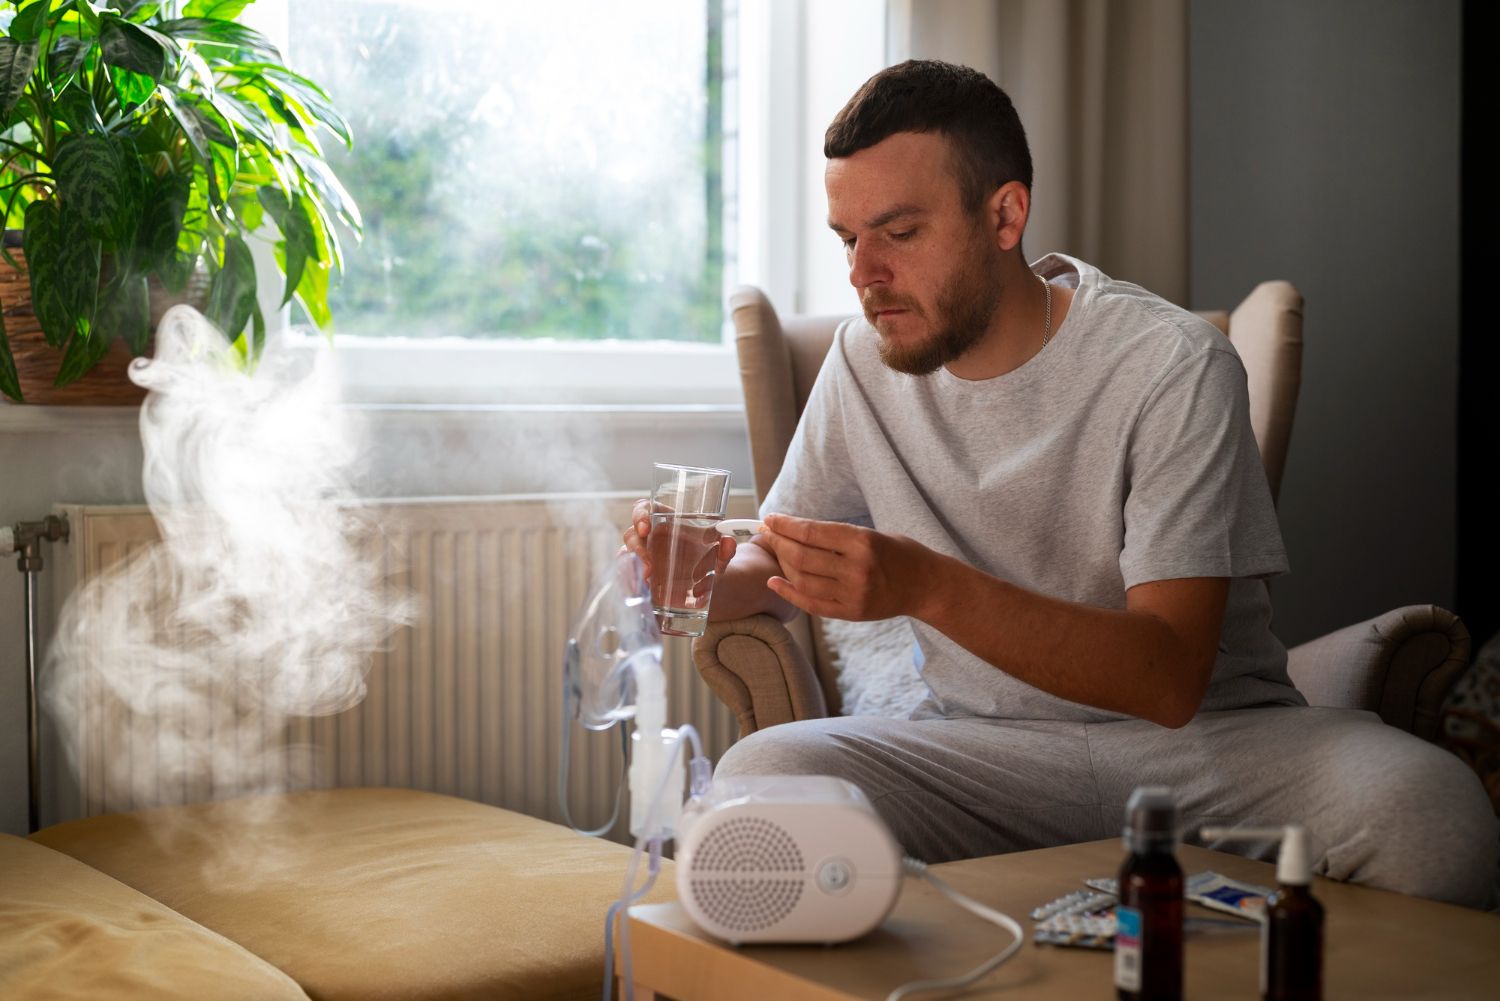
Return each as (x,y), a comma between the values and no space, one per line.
(1325,150)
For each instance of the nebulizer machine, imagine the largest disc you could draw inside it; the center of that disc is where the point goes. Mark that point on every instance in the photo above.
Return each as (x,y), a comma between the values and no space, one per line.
(759,858)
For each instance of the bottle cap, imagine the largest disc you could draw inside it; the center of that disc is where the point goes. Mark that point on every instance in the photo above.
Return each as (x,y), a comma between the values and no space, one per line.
(1150,817)
(1292,865)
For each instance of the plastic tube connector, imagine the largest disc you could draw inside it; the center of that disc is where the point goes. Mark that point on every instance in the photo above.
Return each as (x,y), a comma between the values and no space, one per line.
(700,776)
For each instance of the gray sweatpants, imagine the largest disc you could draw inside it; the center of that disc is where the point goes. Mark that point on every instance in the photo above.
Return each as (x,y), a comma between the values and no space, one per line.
(1382,807)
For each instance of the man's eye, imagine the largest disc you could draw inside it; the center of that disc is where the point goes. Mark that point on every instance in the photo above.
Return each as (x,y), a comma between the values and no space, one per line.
(848,242)
(905,234)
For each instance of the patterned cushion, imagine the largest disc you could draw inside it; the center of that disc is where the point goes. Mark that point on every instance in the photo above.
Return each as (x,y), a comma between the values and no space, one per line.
(1471,718)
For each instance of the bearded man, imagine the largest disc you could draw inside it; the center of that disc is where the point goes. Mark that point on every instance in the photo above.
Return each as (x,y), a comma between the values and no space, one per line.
(1052,473)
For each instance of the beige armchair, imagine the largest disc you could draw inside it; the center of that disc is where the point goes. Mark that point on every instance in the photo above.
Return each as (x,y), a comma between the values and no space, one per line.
(1400,664)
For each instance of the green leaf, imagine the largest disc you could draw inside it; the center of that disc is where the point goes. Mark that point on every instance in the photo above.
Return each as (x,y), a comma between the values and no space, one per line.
(216,32)
(161,221)
(17,60)
(137,10)
(84,352)
(245,117)
(63,265)
(299,242)
(330,191)
(312,293)
(10,381)
(312,99)
(125,312)
(88,16)
(258,333)
(133,89)
(247,210)
(231,298)
(223,10)
(75,107)
(68,56)
(88,176)
(131,47)
(27,26)
(226,166)
(328,240)
(179,266)
(133,180)
(189,121)
(209,139)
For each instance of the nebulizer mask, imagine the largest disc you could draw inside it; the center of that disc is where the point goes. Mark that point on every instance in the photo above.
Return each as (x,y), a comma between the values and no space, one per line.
(612,674)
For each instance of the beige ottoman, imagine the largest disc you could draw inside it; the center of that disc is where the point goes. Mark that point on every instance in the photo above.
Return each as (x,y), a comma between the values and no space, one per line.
(377,893)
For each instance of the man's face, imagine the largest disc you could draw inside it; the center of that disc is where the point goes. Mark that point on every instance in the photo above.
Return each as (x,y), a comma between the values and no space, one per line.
(924,267)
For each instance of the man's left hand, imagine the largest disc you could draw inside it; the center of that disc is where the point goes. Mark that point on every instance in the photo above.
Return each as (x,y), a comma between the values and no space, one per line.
(844,571)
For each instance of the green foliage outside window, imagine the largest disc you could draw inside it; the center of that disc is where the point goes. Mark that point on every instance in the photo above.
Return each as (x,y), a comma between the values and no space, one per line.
(464,234)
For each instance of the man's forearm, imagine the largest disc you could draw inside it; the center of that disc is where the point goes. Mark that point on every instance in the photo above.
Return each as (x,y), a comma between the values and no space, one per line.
(1116,659)
(741,589)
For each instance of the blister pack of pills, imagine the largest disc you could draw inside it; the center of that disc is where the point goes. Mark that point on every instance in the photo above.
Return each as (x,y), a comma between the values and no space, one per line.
(1085,920)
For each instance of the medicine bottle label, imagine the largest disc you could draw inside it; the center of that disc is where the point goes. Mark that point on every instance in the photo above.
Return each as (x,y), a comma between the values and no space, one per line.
(1127,948)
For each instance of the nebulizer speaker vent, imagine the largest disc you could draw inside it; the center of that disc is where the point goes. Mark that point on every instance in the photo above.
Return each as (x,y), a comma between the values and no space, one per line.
(747,873)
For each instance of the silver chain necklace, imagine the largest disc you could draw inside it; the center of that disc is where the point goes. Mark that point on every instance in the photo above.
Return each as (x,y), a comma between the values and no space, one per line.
(1047,316)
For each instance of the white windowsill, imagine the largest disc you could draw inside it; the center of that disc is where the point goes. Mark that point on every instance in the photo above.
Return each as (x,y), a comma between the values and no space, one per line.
(451,371)
(18,419)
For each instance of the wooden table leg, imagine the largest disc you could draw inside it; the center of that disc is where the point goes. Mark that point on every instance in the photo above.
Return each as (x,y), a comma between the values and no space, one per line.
(642,992)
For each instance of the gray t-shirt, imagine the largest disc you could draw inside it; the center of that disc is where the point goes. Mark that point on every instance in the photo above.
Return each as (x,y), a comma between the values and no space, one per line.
(1120,453)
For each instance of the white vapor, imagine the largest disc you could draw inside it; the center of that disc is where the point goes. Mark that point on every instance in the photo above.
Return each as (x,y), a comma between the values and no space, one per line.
(261,603)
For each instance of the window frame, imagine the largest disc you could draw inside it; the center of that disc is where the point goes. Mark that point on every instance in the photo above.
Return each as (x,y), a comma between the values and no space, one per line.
(771,156)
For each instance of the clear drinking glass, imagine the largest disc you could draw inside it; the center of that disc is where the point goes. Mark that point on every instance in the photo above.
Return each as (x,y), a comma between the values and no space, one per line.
(687,502)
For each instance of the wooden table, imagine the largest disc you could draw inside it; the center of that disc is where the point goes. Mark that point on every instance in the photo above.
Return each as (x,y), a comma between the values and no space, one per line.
(1377,944)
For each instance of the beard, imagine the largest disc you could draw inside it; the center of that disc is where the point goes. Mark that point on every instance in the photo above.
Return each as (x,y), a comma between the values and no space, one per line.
(963,309)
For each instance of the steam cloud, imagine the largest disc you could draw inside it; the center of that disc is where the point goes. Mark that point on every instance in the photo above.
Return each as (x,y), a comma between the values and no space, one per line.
(261,603)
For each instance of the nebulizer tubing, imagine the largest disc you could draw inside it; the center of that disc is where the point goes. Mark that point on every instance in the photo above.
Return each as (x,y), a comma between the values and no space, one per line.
(702,775)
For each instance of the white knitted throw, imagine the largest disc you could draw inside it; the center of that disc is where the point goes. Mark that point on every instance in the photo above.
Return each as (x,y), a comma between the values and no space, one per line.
(873,661)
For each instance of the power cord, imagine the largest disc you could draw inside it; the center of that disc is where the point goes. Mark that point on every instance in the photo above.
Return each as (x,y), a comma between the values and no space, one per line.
(916,867)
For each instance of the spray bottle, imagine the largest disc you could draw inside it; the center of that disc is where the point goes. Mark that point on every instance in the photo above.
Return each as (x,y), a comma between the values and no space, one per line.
(1291,955)
(1148,942)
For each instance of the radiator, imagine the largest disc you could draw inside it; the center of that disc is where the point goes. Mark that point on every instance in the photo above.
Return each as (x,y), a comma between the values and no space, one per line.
(466,700)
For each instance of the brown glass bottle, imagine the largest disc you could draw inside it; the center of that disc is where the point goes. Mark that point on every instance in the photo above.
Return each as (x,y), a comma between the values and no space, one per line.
(1294,945)
(1148,946)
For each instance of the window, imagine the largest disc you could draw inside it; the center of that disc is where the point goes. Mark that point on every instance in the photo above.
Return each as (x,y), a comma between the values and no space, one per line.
(527,170)
(557,196)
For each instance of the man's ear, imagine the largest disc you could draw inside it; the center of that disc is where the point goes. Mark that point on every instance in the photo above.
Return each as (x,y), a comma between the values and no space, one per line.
(1006,213)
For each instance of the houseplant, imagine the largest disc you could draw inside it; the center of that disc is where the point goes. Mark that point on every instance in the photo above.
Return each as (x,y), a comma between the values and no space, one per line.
(149,140)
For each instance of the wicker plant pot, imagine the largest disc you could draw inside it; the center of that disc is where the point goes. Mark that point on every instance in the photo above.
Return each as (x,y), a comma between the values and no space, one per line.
(37,362)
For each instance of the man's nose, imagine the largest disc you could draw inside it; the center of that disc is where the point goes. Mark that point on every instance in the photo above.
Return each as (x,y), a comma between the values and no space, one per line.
(867,266)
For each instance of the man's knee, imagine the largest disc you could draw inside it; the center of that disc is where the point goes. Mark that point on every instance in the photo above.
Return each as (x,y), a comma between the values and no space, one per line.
(1430,826)
(1448,821)
(799,748)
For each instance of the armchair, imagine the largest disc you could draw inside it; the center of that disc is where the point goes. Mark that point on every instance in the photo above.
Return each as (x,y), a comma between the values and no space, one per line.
(1399,664)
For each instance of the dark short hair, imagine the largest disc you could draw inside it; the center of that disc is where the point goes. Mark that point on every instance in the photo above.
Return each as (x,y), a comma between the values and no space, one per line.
(925,95)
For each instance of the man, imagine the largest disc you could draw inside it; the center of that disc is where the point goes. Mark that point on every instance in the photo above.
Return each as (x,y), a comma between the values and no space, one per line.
(1053,474)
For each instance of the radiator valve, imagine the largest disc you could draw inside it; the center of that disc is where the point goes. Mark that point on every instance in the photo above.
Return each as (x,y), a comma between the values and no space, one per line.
(25,537)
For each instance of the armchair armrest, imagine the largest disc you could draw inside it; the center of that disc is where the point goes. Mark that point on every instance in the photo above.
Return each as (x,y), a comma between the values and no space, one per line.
(1400,665)
(756,669)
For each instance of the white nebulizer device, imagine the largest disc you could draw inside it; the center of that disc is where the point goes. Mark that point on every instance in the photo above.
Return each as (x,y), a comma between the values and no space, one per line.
(801,858)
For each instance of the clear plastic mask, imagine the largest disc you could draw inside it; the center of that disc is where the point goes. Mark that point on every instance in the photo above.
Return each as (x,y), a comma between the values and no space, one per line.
(615,630)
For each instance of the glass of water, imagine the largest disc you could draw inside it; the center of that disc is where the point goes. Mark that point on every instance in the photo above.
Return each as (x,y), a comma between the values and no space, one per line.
(687,502)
